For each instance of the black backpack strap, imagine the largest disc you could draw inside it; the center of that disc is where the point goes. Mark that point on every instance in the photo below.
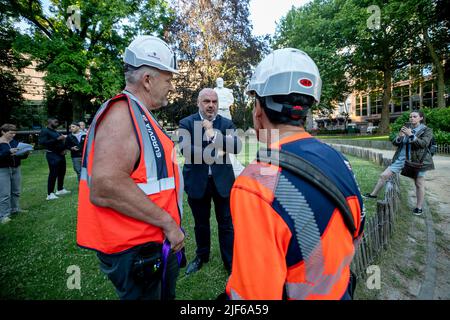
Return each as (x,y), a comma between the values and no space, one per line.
(313,175)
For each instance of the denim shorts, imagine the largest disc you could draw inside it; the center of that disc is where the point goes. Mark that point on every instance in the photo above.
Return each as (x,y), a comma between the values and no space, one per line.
(397,167)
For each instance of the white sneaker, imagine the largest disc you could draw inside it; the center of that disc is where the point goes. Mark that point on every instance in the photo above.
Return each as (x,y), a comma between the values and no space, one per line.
(5,220)
(52,196)
(62,192)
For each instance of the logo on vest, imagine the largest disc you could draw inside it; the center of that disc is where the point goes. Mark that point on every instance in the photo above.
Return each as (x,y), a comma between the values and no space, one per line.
(152,136)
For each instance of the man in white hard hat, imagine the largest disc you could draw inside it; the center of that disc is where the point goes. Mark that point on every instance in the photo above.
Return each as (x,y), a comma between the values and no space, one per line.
(130,201)
(291,239)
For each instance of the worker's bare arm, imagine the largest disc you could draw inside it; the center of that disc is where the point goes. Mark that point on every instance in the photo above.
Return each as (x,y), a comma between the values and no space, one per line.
(116,153)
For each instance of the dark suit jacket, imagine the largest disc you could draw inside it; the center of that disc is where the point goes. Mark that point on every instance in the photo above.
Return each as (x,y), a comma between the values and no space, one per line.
(192,145)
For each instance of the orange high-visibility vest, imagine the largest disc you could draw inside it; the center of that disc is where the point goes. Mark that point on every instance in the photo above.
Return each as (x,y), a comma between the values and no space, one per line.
(157,175)
(290,241)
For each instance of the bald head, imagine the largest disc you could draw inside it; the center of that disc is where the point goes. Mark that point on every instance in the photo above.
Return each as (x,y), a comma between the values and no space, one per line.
(207,103)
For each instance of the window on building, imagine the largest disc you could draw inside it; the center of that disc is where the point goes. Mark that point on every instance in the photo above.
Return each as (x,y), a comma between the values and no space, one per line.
(427,94)
(405,98)
(397,99)
(364,106)
(380,103)
(358,107)
(373,103)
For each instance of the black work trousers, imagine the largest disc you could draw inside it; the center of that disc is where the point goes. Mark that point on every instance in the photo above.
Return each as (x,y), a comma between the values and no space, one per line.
(57,167)
(137,273)
(201,210)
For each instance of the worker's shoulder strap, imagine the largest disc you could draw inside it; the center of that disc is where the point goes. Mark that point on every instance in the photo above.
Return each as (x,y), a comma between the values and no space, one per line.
(309,172)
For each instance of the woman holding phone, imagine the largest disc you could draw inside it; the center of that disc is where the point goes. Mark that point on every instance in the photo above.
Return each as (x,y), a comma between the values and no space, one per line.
(418,136)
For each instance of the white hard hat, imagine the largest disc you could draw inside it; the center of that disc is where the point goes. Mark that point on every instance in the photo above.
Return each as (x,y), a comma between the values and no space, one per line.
(286,71)
(150,51)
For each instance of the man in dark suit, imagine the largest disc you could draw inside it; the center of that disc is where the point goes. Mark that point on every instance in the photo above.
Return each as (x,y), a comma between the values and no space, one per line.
(206,138)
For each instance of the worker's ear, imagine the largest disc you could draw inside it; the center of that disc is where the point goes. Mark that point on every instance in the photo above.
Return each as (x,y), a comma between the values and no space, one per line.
(259,116)
(147,81)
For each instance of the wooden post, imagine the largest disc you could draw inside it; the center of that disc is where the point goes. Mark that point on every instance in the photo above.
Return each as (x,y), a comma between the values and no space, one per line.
(381,222)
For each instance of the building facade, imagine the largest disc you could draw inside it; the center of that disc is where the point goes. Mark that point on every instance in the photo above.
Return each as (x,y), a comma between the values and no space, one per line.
(364,108)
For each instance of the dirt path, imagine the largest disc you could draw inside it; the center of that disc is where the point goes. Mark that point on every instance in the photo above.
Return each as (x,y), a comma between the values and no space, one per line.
(438,199)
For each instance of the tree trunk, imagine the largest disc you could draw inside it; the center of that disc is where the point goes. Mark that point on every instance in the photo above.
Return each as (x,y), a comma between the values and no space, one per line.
(387,93)
(439,70)
(77,108)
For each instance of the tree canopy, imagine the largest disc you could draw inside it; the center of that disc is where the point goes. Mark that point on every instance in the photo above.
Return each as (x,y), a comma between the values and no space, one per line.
(10,61)
(213,39)
(362,45)
(82,61)
(80,48)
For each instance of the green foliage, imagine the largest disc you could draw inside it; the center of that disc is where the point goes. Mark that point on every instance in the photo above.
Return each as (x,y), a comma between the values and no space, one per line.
(316,29)
(438,118)
(214,40)
(356,51)
(10,61)
(441,137)
(83,65)
(330,132)
(242,115)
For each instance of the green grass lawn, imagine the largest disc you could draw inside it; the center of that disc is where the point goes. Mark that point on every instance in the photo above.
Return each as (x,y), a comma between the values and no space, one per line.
(37,247)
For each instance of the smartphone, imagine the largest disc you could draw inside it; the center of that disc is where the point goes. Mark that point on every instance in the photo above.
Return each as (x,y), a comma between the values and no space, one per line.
(408,125)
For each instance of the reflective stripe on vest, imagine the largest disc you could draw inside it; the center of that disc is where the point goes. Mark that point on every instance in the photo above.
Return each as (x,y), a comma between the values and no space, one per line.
(309,241)
(155,163)
(154,186)
(234,295)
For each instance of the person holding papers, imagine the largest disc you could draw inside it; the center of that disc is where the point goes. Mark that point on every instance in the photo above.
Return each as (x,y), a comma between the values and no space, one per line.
(10,177)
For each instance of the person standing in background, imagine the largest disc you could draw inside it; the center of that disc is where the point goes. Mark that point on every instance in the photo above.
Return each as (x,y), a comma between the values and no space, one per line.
(412,140)
(82,126)
(53,141)
(75,143)
(10,176)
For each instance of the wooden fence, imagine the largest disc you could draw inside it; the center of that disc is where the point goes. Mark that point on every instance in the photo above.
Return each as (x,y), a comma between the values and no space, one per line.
(378,229)
(443,149)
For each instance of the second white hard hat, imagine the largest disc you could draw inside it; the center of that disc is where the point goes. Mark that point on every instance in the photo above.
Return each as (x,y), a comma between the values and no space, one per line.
(150,51)
(286,71)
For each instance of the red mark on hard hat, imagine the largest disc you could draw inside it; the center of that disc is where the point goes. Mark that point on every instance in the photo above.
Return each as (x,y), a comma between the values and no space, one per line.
(305,83)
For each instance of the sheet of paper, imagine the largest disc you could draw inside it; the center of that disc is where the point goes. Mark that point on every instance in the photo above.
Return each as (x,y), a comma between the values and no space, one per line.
(23,148)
